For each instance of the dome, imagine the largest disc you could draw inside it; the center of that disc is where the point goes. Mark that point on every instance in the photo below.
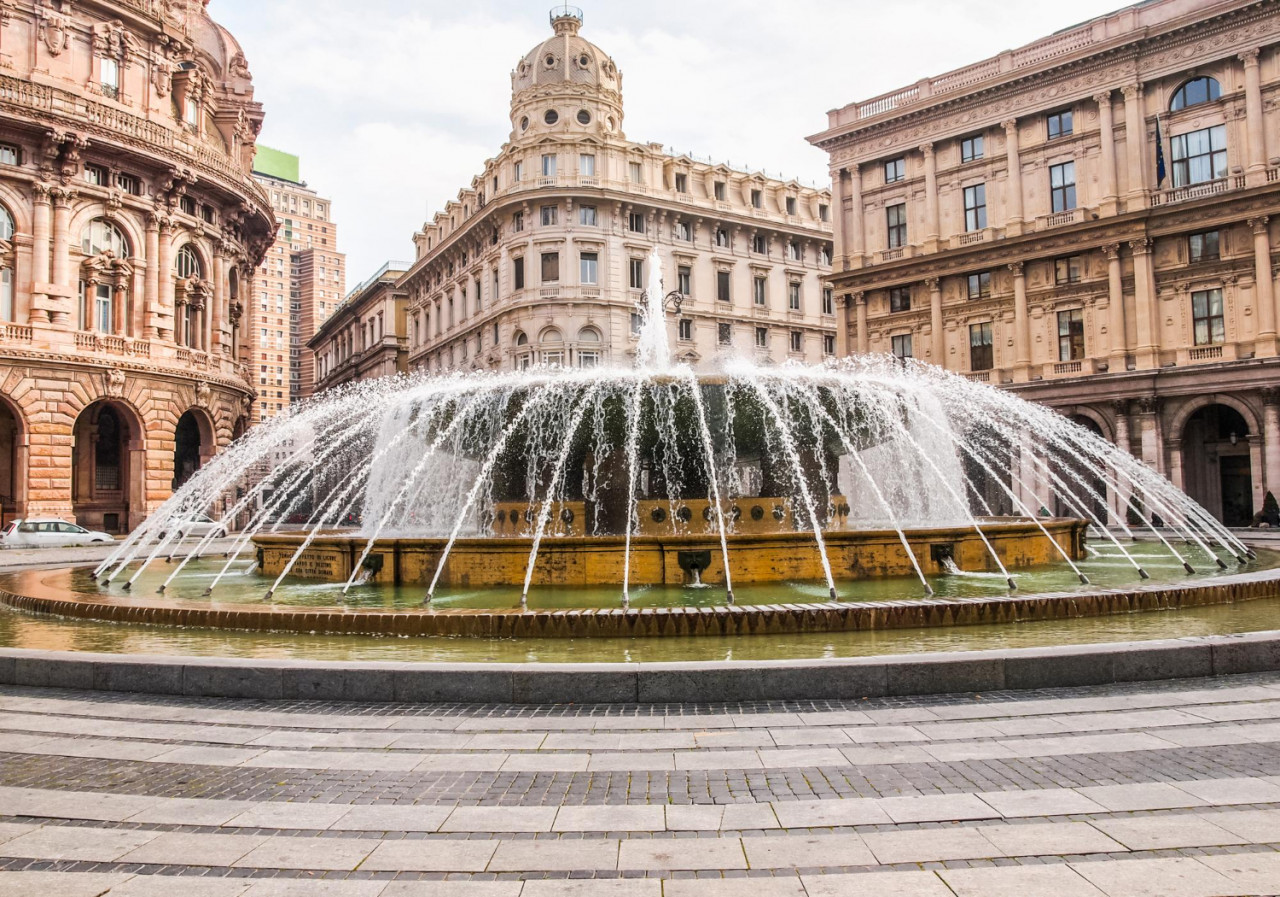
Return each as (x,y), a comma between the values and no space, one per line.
(566,81)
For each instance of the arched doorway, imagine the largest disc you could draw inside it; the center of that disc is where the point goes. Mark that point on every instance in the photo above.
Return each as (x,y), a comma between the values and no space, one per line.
(1083,480)
(192,446)
(1216,463)
(107,468)
(13,464)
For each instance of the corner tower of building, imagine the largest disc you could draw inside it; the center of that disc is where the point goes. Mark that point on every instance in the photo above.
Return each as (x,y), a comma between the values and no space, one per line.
(566,85)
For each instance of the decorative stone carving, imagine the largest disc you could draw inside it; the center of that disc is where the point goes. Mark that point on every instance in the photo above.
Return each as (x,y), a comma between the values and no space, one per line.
(203,394)
(239,67)
(54,29)
(113,383)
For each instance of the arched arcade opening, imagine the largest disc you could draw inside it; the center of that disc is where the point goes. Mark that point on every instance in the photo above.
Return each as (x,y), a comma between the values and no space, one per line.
(108,468)
(1217,463)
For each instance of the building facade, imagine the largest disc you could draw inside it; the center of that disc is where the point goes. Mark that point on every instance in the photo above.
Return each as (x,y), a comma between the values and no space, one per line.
(1008,221)
(130,229)
(365,338)
(544,257)
(300,283)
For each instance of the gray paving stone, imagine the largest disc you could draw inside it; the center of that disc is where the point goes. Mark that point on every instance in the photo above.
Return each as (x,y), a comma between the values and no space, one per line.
(11,830)
(777,886)
(336,854)
(1256,826)
(430,856)
(58,884)
(693,817)
(879,884)
(1254,872)
(1174,877)
(610,819)
(1040,802)
(617,887)
(1233,791)
(383,818)
(310,888)
(97,845)
(936,808)
(455,888)
(190,811)
(290,816)
(1143,796)
(551,856)
(825,813)
(927,845)
(1163,832)
(800,851)
(194,850)
(188,886)
(678,854)
(500,819)
(1049,839)
(1019,881)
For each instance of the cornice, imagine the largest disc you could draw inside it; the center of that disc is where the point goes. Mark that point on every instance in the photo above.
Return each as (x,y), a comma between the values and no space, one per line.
(38,357)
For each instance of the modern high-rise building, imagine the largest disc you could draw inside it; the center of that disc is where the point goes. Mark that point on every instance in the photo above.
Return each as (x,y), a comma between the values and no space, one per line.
(300,283)
(544,256)
(1090,220)
(130,232)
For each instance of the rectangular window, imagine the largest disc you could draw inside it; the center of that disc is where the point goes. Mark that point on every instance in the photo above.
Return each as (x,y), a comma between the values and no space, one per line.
(899,299)
(517,222)
(828,344)
(684,280)
(1067,270)
(971,148)
(517,171)
(895,170)
(793,251)
(636,269)
(900,345)
(1207,317)
(587,165)
(762,337)
(1059,124)
(718,191)
(684,330)
(896,220)
(682,183)
(8,154)
(1199,156)
(550,267)
(588,268)
(587,216)
(636,172)
(975,207)
(722,286)
(758,291)
(793,296)
(980,285)
(102,308)
(548,165)
(824,212)
(1062,186)
(97,175)
(550,215)
(110,76)
(760,244)
(724,334)
(828,301)
(981,356)
(684,231)
(1071,335)
(636,323)
(797,341)
(635,222)
(1203,246)
(791,205)
(757,199)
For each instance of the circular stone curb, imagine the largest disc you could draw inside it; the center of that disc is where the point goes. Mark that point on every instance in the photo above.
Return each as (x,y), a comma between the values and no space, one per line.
(614,683)
(29,592)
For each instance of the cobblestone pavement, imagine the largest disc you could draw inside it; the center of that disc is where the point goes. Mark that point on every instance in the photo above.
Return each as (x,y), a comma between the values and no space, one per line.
(1159,789)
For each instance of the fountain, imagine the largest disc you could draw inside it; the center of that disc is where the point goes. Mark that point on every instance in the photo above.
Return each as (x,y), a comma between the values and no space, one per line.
(491,503)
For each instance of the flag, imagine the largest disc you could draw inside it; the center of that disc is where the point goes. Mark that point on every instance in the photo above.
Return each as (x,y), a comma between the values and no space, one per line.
(1160,172)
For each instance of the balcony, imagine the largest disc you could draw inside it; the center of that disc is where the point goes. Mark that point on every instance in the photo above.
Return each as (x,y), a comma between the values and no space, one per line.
(585,181)
(15,333)
(1198,191)
(892,255)
(1207,354)
(1081,367)
(978,376)
(977,236)
(1061,219)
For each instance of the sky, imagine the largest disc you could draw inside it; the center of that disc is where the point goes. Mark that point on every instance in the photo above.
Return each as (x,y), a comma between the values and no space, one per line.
(394,105)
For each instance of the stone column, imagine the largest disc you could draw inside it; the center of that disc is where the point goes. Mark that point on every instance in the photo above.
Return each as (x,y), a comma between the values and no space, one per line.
(860,303)
(931,227)
(1021,325)
(1173,448)
(843,301)
(938,343)
(1265,289)
(1013,202)
(1109,201)
(1256,172)
(856,233)
(840,252)
(40,233)
(151,284)
(1147,316)
(164,278)
(59,314)
(1135,138)
(1119,342)
(1271,439)
(1149,433)
(1118,496)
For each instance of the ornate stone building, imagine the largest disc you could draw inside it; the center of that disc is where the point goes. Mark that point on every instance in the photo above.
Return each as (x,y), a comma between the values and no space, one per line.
(129,233)
(365,338)
(543,258)
(1007,221)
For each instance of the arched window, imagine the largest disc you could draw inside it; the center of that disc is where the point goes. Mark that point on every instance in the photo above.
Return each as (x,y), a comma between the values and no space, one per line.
(188,263)
(588,335)
(588,347)
(523,356)
(554,353)
(1195,92)
(522,339)
(551,335)
(100,236)
(6,267)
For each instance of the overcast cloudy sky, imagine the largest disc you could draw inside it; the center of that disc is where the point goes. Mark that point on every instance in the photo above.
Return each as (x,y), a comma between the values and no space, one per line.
(393,105)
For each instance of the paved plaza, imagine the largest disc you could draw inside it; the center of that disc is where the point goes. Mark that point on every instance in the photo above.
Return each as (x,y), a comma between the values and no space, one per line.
(1153,789)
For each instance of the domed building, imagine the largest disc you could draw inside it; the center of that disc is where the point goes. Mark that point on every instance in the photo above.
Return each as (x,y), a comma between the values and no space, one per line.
(543,258)
(130,229)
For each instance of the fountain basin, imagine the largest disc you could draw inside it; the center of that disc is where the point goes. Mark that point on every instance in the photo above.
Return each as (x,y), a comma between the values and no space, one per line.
(664,560)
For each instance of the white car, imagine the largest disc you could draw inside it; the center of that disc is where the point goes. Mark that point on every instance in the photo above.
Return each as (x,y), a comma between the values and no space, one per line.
(49,532)
(199,526)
